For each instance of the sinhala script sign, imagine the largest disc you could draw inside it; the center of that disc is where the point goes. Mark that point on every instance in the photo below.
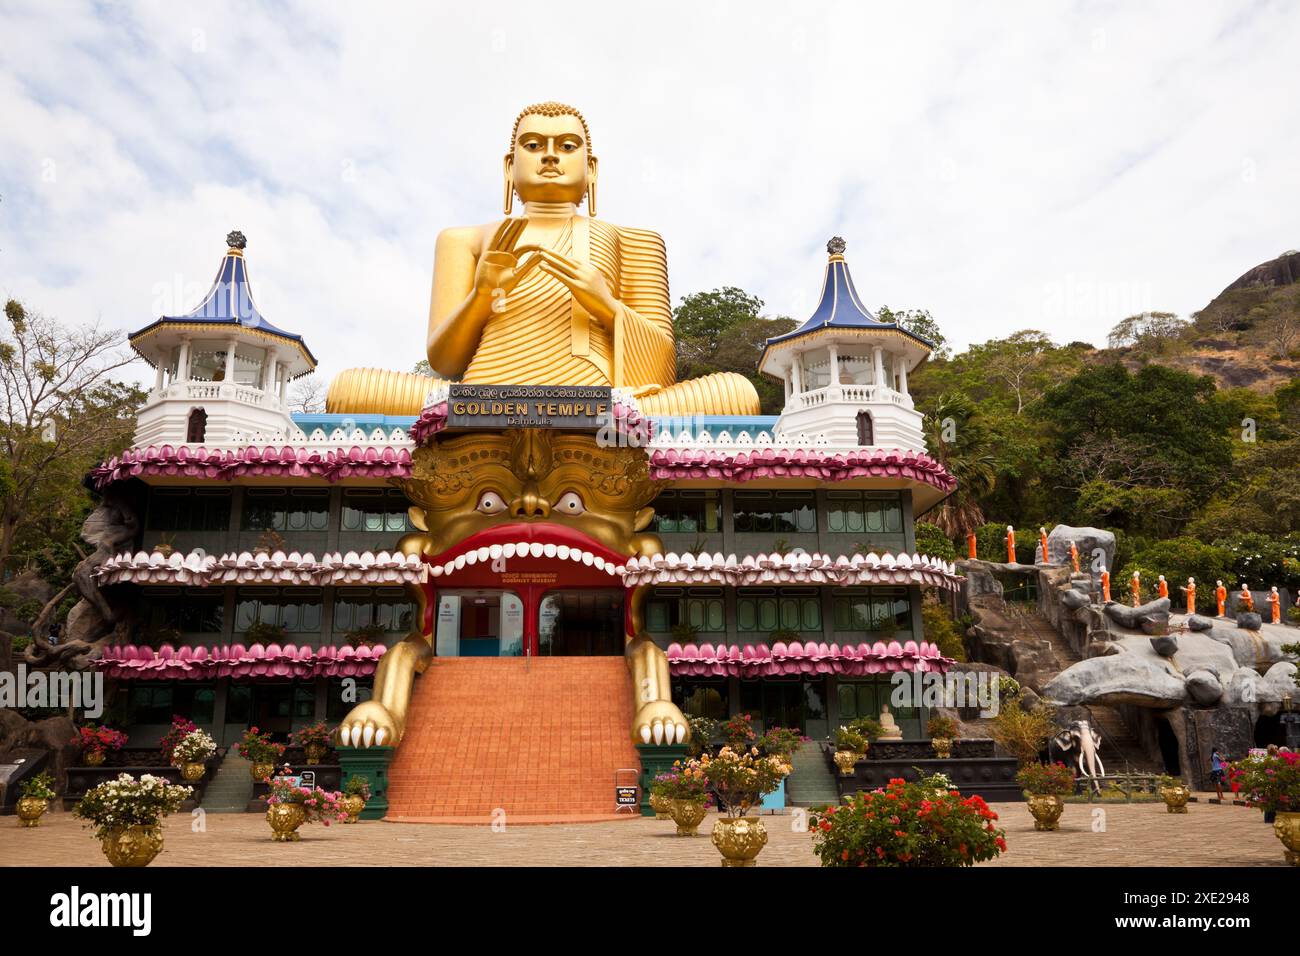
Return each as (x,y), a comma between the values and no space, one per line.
(528,406)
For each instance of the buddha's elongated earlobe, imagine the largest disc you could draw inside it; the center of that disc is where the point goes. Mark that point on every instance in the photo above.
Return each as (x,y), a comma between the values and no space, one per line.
(591,187)
(509,204)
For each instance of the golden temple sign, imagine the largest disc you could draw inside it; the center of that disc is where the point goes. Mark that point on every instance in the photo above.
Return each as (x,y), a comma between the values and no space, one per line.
(580,407)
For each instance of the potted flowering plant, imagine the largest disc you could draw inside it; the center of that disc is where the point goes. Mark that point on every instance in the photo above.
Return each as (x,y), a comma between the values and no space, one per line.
(193,751)
(780,742)
(290,805)
(1044,784)
(356,791)
(738,732)
(127,815)
(942,731)
(1272,783)
(849,746)
(924,823)
(34,796)
(262,751)
(1173,792)
(314,739)
(686,792)
(95,743)
(180,729)
(741,779)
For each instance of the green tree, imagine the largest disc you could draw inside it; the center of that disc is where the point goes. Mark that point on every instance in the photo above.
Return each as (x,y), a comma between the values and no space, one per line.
(723,331)
(918,322)
(63,414)
(1141,451)
(956,439)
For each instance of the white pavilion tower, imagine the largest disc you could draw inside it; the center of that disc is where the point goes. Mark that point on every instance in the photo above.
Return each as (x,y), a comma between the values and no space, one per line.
(221,370)
(845,372)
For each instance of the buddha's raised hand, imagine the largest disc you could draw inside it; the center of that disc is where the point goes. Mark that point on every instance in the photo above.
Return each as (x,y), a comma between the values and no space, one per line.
(499,266)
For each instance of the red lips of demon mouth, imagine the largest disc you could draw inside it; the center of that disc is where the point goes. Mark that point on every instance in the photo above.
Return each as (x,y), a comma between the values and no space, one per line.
(532,546)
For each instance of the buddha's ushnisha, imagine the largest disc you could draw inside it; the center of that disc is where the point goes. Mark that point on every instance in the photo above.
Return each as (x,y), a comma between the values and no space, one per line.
(552,297)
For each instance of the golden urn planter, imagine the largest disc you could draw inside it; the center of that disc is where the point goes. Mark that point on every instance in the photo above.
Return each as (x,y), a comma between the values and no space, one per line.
(1175,798)
(739,840)
(30,811)
(942,747)
(845,760)
(133,846)
(1286,826)
(353,805)
(94,758)
(314,752)
(285,819)
(1046,808)
(192,771)
(261,771)
(688,815)
(662,806)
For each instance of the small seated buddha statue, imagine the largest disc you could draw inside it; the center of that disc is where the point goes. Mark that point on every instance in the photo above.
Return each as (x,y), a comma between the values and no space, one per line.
(549,298)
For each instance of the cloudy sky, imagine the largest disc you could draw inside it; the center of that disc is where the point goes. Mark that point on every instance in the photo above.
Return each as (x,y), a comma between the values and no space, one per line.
(1006,166)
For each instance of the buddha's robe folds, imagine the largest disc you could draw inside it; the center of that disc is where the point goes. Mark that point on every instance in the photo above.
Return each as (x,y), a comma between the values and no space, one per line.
(538,335)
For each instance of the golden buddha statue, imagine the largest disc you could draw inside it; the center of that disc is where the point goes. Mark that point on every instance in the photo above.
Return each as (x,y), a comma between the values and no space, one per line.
(551,298)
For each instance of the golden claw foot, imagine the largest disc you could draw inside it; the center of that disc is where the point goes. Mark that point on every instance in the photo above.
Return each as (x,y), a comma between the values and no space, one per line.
(660,722)
(369,723)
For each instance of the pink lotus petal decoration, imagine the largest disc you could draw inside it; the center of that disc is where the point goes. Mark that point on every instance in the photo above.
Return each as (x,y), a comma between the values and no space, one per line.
(131,661)
(811,657)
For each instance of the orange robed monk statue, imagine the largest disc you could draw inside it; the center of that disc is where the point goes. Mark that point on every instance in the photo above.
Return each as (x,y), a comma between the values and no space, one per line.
(1011,545)
(1190,591)
(1162,587)
(550,297)
(971,547)
(1135,589)
(1042,540)
(1074,556)
(1105,586)
(1245,600)
(1221,598)
(1275,603)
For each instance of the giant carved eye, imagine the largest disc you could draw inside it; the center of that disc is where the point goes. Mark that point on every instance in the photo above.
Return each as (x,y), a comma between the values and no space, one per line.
(490,503)
(570,503)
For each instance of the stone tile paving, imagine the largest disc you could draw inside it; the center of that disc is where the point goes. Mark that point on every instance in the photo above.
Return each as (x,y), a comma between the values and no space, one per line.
(1136,834)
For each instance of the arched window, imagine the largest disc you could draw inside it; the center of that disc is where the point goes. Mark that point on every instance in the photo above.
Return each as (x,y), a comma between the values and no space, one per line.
(866,434)
(198,426)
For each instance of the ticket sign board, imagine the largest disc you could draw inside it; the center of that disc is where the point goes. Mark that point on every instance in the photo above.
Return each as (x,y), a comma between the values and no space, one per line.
(487,407)
(627,796)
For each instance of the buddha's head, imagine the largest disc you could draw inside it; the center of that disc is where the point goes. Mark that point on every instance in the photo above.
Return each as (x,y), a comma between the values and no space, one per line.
(550,157)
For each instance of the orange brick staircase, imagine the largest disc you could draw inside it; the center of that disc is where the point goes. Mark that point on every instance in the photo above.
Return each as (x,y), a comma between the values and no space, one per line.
(538,740)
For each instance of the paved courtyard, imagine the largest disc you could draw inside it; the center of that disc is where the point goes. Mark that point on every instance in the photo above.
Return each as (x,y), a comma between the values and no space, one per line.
(1135,834)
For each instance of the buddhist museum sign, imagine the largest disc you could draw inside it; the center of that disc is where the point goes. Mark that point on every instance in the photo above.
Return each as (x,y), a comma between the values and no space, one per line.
(584,407)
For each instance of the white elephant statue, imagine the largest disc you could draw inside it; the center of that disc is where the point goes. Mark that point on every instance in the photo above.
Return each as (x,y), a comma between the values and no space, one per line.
(1086,742)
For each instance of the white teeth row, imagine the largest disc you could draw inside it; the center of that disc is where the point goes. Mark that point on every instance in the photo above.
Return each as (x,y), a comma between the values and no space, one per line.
(362,735)
(663,733)
(528,549)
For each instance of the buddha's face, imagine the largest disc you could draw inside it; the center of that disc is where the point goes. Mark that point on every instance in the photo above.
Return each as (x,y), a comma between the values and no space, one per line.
(550,162)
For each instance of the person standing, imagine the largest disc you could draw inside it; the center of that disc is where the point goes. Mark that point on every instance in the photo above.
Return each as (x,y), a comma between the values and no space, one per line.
(1217,772)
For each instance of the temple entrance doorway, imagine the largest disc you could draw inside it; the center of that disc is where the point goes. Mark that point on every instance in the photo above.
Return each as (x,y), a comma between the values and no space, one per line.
(582,622)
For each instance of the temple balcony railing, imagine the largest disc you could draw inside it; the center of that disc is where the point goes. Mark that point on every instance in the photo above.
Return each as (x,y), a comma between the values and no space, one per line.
(853,394)
(216,391)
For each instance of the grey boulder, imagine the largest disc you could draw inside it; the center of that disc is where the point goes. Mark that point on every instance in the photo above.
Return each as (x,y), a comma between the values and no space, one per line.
(1093,543)
(1126,678)
(1204,688)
